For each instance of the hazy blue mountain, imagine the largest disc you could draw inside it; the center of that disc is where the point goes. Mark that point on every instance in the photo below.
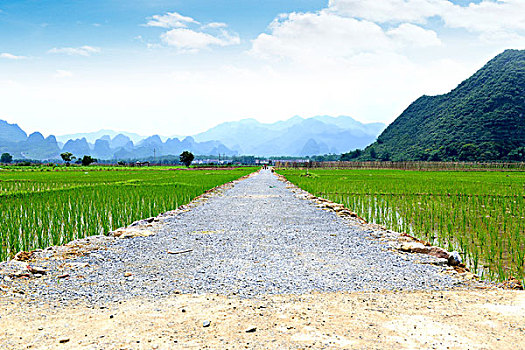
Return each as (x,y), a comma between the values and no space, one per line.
(295,136)
(152,141)
(11,132)
(128,146)
(38,147)
(33,147)
(123,153)
(119,140)
(173,146)
(312,147)
(93,136)
(245,133)
(35,138)
(102,150)
(350,123)
(79,147)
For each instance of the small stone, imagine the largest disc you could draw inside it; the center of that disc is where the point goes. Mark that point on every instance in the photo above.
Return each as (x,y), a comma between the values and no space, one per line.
(454,259)
(37,275)
(23,256)
(206,323)
(36,270)
(470,276)
(63,340)
(438,253)
(414,247)
(127,274)
(251,330)
(441,262)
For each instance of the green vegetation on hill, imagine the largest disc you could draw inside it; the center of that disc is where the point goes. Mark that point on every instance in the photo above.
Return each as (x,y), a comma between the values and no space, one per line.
(483,119)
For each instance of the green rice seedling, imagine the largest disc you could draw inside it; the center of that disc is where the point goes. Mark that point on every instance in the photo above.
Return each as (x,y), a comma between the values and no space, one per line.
(50,208)
(480,214)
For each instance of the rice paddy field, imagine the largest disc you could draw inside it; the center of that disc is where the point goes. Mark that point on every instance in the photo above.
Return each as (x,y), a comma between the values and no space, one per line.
(41,207)
(479,214)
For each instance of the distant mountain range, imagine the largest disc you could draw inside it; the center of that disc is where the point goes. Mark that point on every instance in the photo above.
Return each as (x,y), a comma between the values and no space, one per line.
(91,137)
(16,142)
(482,119)
(293,137)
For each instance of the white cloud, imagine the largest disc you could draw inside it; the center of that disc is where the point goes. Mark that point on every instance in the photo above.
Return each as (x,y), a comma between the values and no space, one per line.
(170,20)
(488,16)
(485,16)
(325,37)
(60,73)
(389,10)
(507,38)
(412,35)
(353,27)
(76,51)
(185,34)
(10,56)
(306,36)
(190,40)
(214,25)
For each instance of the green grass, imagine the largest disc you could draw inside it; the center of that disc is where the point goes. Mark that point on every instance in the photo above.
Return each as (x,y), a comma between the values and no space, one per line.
(480,214)
(42,208)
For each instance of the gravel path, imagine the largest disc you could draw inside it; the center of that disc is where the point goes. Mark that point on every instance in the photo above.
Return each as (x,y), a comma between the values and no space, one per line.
(256,238)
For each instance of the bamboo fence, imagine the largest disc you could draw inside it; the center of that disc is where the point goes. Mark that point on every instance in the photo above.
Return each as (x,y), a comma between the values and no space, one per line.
(421,166)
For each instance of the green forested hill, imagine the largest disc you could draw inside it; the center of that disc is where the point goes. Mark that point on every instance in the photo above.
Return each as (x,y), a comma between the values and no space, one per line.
(482,119)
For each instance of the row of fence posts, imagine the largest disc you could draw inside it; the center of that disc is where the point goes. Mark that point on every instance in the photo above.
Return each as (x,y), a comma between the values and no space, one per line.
(422,166)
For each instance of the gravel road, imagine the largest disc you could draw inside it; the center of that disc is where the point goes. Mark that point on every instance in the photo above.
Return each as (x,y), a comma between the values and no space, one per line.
(253,239)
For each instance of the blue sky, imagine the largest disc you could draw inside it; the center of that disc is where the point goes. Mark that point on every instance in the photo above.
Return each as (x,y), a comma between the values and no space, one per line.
(115,23)
(180,67)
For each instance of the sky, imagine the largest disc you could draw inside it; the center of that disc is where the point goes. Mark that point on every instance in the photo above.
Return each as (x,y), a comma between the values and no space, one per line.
(180,67)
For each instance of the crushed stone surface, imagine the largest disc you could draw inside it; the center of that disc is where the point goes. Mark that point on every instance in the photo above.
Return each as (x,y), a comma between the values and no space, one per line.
(253,239)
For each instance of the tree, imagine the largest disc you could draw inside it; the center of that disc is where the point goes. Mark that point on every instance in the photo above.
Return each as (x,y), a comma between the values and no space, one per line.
(186,158)
(86,160)
(67,157)
(351,155)
(373,153)
(6,158)
(517,154)
(469,152)
(385,156)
